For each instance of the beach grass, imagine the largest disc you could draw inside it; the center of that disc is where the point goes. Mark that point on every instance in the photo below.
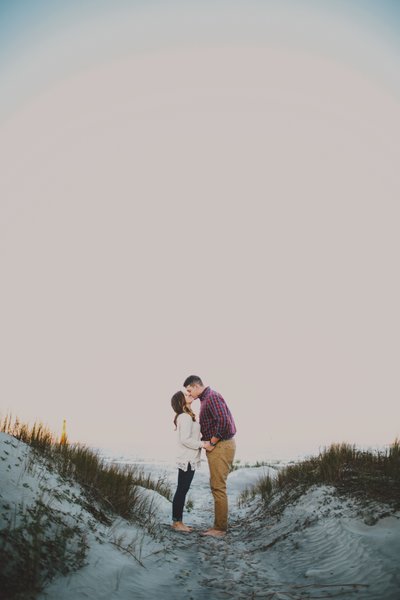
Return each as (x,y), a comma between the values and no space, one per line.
(366,475)
(38,541)
(36,544)
(116,488)
(237,464)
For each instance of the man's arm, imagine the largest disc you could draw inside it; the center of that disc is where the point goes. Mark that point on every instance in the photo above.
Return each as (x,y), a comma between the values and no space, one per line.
(218,409)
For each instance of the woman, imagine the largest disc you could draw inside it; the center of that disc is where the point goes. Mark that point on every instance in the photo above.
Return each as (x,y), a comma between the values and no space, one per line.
(188,456)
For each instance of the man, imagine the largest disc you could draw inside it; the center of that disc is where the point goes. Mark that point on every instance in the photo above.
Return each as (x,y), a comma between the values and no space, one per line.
(218,429)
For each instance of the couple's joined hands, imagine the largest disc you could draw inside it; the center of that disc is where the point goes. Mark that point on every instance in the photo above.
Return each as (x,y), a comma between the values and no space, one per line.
(208,447)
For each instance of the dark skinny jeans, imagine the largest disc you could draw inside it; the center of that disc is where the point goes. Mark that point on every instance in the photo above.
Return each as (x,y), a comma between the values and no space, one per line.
(184,481)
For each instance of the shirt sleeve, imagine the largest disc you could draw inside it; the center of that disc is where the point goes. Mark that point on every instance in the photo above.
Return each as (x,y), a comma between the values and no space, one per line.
(185,431)
(218,410)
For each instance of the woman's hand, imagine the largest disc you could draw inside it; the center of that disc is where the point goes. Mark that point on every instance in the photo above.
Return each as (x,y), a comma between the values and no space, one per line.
(208,447)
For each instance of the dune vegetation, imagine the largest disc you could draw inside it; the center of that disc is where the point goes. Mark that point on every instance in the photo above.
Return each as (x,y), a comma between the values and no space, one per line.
(63,491)
(113,486)
(63,508)
(365,475)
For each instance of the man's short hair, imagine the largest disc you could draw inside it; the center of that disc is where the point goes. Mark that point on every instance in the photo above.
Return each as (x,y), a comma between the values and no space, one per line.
(192,380)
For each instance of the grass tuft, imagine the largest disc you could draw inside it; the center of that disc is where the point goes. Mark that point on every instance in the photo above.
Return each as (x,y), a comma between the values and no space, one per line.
(40,546)
(114,486)
(37,542)
(365,475)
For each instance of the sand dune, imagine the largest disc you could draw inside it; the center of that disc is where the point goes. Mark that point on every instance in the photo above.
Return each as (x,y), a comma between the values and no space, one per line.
(323,546)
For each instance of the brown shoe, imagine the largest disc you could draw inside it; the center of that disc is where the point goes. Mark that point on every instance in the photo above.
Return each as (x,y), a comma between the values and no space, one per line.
(214,532)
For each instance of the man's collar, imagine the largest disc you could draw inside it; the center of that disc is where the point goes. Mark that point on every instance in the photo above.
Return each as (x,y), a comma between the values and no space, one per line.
(203,392)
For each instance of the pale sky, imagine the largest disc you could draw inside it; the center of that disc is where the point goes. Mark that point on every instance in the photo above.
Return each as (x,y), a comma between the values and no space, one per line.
(209,189)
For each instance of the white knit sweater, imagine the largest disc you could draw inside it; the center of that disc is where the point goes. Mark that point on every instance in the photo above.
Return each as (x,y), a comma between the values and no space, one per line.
(189,444)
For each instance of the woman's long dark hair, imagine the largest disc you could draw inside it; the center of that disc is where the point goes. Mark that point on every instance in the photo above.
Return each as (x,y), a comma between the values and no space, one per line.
(178,403)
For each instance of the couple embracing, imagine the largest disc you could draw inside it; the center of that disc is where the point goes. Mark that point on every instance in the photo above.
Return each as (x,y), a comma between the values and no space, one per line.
(215,434)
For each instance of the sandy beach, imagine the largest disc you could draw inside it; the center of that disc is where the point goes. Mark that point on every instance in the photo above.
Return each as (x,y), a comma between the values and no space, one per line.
(322,546)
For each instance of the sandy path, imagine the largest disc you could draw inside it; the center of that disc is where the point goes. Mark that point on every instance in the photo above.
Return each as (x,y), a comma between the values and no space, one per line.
(323,546)
(320,548)
(274,564)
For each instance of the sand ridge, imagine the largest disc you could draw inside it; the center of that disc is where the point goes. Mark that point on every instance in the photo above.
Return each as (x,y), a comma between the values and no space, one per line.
(321,546)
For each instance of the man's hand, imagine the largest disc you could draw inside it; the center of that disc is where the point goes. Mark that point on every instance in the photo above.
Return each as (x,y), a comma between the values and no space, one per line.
(208,447)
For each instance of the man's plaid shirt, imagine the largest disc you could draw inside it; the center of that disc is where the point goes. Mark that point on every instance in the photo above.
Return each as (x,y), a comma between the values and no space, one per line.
(215,417)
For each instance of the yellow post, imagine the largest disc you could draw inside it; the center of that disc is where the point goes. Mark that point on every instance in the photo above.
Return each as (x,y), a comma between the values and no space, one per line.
(63,439)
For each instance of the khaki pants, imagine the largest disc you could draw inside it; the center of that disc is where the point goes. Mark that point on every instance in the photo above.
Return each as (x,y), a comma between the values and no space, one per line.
(219,461)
